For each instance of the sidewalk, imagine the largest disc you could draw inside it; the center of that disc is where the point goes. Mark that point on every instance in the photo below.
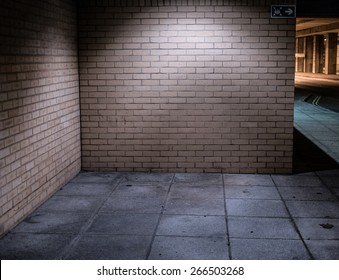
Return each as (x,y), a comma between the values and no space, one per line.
(319,125)
(184,216)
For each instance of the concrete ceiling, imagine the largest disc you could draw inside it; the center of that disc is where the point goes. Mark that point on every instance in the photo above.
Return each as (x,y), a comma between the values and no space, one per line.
(317,25)
(306,23)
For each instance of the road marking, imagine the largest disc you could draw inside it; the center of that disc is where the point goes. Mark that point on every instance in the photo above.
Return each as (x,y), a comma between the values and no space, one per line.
(316,100)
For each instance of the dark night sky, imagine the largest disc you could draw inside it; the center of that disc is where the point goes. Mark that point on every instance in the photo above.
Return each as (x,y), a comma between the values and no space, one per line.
(318,8)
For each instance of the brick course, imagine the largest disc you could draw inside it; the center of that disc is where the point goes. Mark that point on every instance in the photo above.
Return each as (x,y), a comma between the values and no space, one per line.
(186,86)
(39,104)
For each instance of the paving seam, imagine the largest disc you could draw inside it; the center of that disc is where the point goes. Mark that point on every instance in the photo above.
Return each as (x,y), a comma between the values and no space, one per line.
(226,218)
(329,188)
(266,238)
(68,250)
(160,216)
(293,222)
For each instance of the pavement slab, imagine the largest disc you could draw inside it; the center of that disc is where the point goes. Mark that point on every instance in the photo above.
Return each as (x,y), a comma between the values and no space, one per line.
(195,207)
(297,181)
(247,180)
(133,204)
(189,248)
(324,249)
(253,192)
(256,208)
(124,223)
(146,177)
(306,193)
(141,190)
(194,191)
(86,189)
(72,203)
(107,247)
(261,228)
(53,222)
(331,181)
(313,209)
(318,228)
(33,246)
(96,177)
(198,178)
(189,225)
(268,249)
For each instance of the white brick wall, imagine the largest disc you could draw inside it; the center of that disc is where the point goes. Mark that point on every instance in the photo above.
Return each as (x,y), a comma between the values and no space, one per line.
(186,86)
(39,104)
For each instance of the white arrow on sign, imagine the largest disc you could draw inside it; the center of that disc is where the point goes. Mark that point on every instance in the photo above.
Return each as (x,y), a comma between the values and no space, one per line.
(289,11)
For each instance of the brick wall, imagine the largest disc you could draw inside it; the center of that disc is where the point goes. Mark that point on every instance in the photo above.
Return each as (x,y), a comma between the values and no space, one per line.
(39,104)
(186,86)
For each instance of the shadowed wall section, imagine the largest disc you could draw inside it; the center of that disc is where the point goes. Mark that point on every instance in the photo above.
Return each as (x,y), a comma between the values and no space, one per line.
(39,104)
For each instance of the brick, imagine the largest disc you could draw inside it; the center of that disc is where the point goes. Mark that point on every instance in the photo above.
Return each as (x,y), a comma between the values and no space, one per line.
(36,156)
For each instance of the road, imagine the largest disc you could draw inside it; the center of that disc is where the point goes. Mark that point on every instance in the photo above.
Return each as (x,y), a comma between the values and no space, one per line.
(318,90)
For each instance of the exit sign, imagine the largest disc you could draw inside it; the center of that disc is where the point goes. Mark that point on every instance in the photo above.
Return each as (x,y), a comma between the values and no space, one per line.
(283,11)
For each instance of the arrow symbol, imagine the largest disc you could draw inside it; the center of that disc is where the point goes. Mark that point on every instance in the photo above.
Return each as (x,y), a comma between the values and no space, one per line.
(289,11)
(283,11)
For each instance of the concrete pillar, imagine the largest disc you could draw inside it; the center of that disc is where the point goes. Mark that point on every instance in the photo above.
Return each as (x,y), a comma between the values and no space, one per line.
(300,55)
(331,53)
(308,54)
(318,45)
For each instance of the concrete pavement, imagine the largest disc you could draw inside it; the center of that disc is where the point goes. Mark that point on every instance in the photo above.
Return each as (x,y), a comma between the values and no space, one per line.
(184,216)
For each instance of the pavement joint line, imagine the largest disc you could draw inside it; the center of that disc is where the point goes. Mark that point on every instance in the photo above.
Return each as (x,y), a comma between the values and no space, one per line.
(67,251)
(148,253)
(267,238)
(226,219)
(193,236)
(194,215)
(293,222)
(331,190)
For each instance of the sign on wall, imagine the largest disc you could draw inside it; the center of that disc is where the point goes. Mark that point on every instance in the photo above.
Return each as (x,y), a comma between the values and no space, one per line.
(283,11)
